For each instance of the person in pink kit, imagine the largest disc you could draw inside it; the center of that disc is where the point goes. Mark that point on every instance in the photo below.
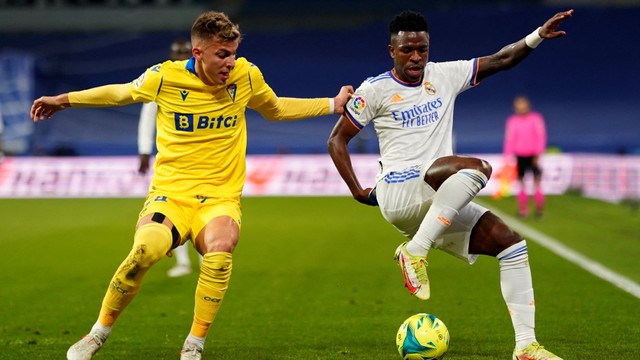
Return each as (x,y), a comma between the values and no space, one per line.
(526,139)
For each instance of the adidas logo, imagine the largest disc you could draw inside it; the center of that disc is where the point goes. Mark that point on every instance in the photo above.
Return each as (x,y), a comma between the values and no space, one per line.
(396,98)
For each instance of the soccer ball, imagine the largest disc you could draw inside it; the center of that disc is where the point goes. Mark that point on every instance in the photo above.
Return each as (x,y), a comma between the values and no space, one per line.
(422,337)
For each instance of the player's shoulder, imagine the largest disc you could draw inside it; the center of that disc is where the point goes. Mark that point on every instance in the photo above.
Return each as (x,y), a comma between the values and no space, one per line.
(378,80)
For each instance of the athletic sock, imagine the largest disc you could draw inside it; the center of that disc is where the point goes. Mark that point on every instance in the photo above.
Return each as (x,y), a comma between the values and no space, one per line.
(151,243)
(523,203)
(538,197)
(213,281)
(517,291)
(454,194)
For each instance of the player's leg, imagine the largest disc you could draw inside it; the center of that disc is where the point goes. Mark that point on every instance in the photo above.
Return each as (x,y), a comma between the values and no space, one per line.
(524,164)
(491,236)
(183,263)
(538,195)
(456,181)
(154,237)
(216,242)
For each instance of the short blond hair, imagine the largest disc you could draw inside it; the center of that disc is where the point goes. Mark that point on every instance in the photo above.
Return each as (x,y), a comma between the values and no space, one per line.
(215,24)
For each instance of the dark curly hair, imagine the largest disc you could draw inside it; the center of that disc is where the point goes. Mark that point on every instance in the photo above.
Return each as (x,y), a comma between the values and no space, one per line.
(408,21)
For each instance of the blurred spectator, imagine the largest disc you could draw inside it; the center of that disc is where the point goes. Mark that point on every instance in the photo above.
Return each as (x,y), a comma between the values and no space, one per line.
(525,140)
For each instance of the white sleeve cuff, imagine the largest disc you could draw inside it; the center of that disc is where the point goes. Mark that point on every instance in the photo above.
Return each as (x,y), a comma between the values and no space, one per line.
(332,106)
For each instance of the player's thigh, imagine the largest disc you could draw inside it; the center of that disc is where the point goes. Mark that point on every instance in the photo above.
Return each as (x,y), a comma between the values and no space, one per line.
(173,213)
(217,225)
(404,198)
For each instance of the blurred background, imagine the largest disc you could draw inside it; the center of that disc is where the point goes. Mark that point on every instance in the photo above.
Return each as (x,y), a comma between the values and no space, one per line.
(585,85)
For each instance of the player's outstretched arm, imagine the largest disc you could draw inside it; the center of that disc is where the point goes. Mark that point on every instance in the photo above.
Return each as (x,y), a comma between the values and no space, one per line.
(285,109)
(511,55)
(101,96)
(338,142)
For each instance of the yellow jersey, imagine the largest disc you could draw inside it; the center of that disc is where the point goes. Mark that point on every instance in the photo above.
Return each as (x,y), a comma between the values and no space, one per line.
(201,129)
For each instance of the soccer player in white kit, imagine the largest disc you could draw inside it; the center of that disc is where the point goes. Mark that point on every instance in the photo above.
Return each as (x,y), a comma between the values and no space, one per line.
(424,190)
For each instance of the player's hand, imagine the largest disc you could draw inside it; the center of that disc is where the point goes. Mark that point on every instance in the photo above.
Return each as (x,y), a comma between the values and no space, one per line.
(46,106)
(549,29)
(367,197)
(144,164)
(341,99)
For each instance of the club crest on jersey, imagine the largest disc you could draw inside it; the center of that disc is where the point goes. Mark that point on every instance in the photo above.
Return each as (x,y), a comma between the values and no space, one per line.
(231,89)
(429,88)
(139,81)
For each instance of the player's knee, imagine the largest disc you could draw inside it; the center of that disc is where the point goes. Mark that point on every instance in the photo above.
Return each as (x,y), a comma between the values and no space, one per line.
(151,243)
(485,168)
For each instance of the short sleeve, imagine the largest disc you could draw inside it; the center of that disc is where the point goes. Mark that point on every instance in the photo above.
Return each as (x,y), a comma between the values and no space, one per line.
(363,106)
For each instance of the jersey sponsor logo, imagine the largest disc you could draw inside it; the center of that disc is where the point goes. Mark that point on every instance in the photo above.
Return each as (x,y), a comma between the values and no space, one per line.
(429,88)
(418,115)
(184,94)
(156,68)
(139,81)
(231,90)
(191,122)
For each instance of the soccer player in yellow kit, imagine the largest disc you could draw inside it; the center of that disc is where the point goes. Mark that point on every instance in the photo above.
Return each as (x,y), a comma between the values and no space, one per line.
(199,171)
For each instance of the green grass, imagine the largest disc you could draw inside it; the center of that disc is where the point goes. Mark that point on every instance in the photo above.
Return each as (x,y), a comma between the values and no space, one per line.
(313,279)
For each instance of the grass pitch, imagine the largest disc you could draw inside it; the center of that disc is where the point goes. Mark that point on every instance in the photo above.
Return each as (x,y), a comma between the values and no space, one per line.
(313,278)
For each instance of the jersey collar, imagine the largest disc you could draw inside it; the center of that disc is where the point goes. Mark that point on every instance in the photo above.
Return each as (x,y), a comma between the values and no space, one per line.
(403,83)
(191,66)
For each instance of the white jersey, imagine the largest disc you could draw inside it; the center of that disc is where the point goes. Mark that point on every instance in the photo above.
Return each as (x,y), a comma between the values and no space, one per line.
(413,122)
(147,128)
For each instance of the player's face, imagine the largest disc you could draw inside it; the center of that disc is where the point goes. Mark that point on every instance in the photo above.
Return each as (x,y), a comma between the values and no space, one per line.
(215,59)
(410,53)
(521,106)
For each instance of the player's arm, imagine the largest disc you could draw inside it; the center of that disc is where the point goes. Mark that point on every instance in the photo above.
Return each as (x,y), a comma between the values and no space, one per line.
(284,108)
(511,55)
(338,142)
(102,96)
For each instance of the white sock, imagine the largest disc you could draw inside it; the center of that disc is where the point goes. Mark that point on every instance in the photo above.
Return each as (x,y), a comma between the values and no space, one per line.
(517,291)
(454,194)
(104,331)
(182,255)
(198,341)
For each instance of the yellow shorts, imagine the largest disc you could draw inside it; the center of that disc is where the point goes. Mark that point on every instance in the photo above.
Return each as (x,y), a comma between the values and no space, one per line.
(190,214)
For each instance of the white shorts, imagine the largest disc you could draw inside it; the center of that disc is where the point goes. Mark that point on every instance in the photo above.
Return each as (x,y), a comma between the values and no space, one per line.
(404,199)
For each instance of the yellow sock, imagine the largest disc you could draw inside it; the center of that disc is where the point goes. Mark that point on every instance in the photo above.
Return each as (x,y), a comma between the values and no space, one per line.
(215,273)
(151,243)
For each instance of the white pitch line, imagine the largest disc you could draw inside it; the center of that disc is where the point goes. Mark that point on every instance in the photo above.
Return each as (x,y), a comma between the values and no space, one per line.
(563,251)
